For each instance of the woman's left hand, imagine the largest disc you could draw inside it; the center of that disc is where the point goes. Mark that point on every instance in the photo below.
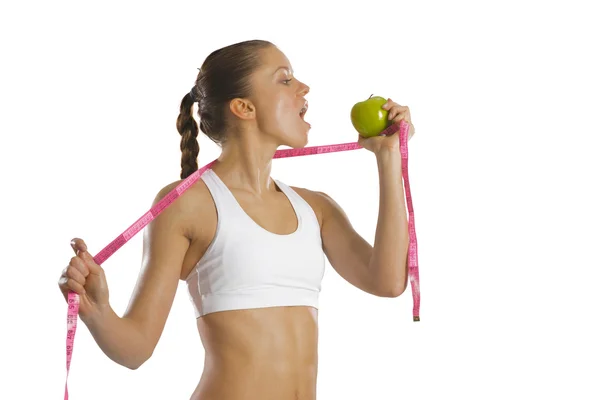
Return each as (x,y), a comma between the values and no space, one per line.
(396,113)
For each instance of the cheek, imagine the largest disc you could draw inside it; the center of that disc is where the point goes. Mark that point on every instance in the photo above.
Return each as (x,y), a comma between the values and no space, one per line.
(278,111)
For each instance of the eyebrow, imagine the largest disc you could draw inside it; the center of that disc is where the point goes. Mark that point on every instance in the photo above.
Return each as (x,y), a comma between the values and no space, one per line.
(284,67)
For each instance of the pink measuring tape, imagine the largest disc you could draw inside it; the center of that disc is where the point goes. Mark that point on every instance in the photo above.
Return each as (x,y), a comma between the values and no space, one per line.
(137,226)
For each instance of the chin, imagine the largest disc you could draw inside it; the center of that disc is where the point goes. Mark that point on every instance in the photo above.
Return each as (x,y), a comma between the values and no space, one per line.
(299,142)
(292,134)
(295,141)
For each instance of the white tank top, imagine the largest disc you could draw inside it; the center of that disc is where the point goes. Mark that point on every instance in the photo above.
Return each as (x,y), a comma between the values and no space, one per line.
(246,266)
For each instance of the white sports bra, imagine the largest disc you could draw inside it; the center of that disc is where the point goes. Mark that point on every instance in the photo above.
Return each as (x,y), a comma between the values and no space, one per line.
(246,266)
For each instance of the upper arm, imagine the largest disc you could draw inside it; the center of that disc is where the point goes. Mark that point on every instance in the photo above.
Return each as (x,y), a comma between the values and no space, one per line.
(164,247)
(347,251)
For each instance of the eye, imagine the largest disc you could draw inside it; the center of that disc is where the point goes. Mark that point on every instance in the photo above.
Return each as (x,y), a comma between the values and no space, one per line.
(287,81)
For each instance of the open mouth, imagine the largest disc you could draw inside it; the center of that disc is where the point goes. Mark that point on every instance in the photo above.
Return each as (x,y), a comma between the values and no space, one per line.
(303,110)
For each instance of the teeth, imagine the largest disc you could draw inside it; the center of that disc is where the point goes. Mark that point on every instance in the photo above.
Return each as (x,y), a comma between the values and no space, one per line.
(303,110)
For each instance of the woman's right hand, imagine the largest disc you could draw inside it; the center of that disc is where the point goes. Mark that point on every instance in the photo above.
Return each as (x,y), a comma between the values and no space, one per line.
(86,278)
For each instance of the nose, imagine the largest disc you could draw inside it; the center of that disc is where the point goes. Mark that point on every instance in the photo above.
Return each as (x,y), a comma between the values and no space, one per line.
(304,89)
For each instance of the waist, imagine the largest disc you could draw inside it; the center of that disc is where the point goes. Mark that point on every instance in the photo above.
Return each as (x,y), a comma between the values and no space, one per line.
(280,339)
(251,376)
(261,384)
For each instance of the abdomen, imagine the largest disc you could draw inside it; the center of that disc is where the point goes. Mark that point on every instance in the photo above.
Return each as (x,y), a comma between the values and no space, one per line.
(266,353)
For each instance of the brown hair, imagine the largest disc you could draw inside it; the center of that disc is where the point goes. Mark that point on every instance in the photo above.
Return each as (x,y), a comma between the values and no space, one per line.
(224,75)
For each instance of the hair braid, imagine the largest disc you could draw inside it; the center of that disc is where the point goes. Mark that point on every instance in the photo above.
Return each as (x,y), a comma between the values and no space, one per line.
(188,129)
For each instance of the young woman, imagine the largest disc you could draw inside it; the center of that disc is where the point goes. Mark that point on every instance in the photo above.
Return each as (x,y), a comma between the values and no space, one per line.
(251,249)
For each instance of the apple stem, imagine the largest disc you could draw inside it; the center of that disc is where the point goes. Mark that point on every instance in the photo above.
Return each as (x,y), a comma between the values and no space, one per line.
(370,96)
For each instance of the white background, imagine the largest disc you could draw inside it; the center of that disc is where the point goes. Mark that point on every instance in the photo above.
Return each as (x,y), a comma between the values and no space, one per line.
(503,169)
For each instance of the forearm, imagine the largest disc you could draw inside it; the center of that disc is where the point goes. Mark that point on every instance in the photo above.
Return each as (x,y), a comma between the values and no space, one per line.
(119,338)
(390,249)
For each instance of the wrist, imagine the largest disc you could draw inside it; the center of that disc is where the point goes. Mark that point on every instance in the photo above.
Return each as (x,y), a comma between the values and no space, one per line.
(388,155)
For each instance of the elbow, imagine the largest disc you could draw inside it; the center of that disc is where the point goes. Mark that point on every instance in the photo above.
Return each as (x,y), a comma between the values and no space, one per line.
(136,362)
(134,365)
(397,291)
(390,283)
(392,291)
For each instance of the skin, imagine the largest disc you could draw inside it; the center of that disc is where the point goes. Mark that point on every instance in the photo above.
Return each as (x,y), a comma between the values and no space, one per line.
(247,350)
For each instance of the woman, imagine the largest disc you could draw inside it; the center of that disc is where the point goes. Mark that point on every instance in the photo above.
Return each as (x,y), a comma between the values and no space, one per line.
(251,249)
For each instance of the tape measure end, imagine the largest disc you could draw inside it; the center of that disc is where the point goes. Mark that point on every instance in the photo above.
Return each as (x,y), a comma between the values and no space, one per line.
(416,318)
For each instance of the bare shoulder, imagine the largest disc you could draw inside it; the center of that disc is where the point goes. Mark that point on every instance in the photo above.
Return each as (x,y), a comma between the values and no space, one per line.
(190,202)
(192,215)
(189,196)
(320,202)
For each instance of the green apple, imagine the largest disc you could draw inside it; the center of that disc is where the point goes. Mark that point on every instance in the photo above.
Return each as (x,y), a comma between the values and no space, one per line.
(368,118)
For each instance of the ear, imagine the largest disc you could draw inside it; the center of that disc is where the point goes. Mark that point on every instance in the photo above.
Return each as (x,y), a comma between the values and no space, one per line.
(242,108)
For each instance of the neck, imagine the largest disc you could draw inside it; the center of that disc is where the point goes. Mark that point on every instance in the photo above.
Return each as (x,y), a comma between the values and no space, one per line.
(245,164)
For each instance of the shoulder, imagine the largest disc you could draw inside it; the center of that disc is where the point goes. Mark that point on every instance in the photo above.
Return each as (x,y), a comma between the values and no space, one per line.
(322,204)
(186,200)
(192,202)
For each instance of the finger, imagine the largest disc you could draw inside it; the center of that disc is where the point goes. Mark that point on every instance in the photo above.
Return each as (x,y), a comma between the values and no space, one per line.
(76,275)
(62,281)
(394,111)
(388,104)
(399,116)
(75,286)
(402,114)
(80,265)
(62,285)
(81,250)
(94,268)
(78,245)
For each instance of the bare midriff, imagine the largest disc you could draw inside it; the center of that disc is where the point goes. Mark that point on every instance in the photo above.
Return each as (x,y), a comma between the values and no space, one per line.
(263,354)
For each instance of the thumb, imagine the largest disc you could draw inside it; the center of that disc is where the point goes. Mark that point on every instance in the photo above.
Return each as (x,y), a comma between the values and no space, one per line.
(78,244)
(80,249)
(89,260)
